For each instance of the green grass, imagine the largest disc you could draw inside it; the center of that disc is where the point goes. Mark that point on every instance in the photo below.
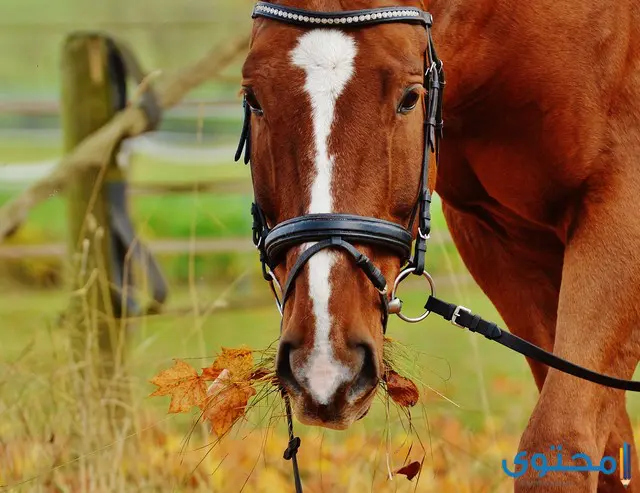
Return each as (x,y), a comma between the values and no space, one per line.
(175,216)
(172,216)
(483,379)
(154,170)
(205,215)
(442,357)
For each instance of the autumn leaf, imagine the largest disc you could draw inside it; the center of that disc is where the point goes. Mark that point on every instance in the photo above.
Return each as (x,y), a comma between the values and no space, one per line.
(410,470)
(226,402)
(239,362)
(183,384)
(402,390)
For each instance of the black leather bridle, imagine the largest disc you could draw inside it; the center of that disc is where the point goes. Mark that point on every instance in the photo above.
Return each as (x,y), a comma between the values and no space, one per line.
(342,230)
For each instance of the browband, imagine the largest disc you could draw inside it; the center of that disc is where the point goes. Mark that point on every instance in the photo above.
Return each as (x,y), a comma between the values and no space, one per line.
(348,18)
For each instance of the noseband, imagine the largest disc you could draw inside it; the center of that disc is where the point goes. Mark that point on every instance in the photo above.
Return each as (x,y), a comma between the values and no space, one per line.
(341,231)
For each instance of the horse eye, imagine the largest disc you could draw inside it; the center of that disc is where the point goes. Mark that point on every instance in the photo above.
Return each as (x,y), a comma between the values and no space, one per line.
(409,100)
(253,103)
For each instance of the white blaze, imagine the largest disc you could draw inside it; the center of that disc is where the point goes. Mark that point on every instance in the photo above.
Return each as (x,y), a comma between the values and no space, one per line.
(327,57)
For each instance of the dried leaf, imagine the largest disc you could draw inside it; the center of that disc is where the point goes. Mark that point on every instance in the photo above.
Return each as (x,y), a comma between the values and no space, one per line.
(227,402)
(410,470)
(183,384)
(239,362)
(402,390)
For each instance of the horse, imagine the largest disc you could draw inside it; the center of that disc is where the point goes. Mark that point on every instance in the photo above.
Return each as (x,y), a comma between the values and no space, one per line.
(537,177)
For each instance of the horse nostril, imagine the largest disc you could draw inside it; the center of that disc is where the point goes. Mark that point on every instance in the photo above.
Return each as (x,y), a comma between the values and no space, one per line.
(283,367)
(368,376)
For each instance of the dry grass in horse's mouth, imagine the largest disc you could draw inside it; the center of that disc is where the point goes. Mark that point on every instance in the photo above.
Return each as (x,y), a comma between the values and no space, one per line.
(239,384)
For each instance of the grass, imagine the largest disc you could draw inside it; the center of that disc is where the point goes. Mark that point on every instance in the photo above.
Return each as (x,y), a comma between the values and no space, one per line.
(476,399)
(22,147)
(205,215)
(171,216)
(35,348)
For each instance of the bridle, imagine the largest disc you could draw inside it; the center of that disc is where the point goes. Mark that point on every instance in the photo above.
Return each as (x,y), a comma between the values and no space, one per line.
(341,231)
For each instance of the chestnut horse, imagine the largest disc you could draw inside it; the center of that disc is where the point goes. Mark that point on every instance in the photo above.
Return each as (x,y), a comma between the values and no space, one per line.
(538,177)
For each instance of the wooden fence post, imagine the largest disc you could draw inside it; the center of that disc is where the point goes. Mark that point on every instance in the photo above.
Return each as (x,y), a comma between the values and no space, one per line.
(92,93)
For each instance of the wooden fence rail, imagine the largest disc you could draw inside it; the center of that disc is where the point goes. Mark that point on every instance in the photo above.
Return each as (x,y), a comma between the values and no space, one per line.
(95,151)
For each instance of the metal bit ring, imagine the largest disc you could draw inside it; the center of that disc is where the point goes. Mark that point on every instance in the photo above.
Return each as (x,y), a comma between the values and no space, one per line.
(401,277)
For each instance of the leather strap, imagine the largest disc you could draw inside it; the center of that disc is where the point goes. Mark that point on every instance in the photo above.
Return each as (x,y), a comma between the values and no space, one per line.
(291,452)
(123,239)
(245,136)
(346,18)
(433,124)
(462,317)
(125,242)
(362,261)
(121,54)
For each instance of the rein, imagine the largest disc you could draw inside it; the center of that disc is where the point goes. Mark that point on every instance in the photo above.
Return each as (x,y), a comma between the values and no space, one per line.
(325,231)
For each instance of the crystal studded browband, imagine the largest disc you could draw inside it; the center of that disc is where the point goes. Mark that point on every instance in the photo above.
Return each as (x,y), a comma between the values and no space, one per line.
(344,18)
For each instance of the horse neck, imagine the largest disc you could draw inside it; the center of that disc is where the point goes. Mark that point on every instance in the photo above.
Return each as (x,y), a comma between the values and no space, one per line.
(471,37)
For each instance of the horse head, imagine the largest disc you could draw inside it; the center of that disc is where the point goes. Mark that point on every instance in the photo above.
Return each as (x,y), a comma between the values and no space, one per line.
(336,117)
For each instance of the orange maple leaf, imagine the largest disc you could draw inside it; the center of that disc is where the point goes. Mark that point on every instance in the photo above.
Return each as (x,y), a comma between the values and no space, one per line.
(227,402)
(239,362)
(410,470)
(183,384)
(402,390)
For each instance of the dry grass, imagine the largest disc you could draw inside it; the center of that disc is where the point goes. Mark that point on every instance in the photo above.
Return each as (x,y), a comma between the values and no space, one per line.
(66,438)
(67,430)
(66,427)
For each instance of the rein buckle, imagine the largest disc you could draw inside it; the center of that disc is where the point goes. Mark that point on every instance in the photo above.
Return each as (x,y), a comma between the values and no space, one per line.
(456,314)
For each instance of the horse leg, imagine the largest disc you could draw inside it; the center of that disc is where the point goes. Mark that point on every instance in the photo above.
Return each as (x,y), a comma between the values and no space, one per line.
(527,302)
(597,318)
(621,432)
(522,283)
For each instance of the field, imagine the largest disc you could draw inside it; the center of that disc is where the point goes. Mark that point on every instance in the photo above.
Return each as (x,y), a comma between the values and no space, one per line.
(56,431)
